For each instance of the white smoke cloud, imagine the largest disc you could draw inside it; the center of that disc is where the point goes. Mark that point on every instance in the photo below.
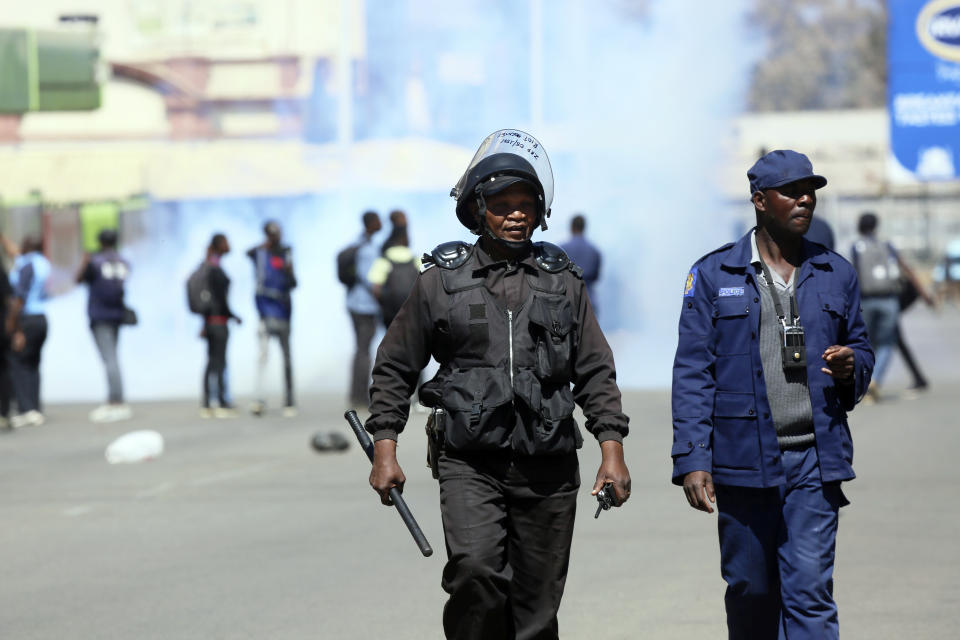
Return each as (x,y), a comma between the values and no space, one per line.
(635,115)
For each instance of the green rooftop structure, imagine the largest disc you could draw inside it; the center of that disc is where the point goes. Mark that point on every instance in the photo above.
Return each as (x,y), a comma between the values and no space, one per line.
(49,70)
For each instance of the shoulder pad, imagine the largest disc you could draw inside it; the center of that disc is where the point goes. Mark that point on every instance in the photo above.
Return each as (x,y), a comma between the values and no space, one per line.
(725,247)
(448,255)
(550,257)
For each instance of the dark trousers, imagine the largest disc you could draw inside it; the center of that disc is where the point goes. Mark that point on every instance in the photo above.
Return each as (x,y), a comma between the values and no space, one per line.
(365,327)
(508,524)
(776,554)
(217,335)
(106,335)
(25,364)
(5,385)
(919,380)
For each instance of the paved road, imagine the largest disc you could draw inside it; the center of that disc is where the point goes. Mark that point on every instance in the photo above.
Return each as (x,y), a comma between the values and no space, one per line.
(240,530)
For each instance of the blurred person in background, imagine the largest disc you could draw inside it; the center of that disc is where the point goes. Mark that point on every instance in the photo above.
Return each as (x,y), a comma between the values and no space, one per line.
(393,275)
(364,310)
(273,269)
(907,297)
(584,255)
(883,276)
(26,326)
(946,274)
(105,273)
(215,330)
(6,293)
(398,222)
(821,232)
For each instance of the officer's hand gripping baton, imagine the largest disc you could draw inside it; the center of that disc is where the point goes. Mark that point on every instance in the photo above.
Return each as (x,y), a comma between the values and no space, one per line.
(367,445)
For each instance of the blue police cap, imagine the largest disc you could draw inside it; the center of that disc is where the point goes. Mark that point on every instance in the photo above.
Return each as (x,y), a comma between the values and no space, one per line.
(781,167)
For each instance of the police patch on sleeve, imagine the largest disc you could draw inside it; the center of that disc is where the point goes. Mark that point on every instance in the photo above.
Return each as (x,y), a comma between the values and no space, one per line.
(727,292)
(691,284)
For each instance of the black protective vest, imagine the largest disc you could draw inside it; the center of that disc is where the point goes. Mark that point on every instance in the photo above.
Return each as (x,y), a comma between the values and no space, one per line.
(505,376)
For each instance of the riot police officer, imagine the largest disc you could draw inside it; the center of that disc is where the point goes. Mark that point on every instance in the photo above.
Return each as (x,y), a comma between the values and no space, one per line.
(518,343)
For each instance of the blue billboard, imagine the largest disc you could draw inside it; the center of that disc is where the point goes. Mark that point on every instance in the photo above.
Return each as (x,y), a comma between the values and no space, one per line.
(923,54)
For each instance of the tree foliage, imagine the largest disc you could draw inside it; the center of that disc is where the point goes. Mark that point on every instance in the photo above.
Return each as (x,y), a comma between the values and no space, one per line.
(819,54)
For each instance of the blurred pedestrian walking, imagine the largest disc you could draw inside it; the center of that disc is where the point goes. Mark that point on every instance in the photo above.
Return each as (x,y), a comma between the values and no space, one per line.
(946,275)
(394,274)
(6,292)
(273,264)
(907,297)
(105,273)
(363,308)
(883,274)
(208,290)
(910,291)
(820,232)
(26,326)
(585,255)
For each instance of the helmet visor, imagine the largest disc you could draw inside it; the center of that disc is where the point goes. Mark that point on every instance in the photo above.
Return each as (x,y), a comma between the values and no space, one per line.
(520,144)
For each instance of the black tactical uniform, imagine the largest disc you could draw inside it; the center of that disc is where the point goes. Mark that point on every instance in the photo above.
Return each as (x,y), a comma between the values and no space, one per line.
(511,338)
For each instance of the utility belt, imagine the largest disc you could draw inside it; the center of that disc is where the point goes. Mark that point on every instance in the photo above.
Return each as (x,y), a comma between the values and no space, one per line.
(436,436)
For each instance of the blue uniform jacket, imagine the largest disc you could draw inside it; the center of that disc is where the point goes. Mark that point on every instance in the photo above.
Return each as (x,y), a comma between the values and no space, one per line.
(721,416)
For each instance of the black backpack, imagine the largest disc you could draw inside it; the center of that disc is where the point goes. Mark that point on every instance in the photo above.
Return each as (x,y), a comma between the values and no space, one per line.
(198,289)
(347,266)
(395,291)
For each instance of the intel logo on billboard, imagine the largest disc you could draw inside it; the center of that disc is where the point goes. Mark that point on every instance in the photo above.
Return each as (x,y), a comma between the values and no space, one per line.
(938,28)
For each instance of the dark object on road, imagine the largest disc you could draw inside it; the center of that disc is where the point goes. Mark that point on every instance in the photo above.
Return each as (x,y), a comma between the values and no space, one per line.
(324,441)
(606,498)
(367,445)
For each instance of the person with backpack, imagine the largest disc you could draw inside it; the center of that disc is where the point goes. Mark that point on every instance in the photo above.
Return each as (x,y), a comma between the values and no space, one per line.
(105,273)
(353,265)
(394,274)
(273,264)
(882,273)
(207,292)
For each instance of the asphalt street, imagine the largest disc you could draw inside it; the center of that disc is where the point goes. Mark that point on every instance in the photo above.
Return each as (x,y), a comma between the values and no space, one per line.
(241,530)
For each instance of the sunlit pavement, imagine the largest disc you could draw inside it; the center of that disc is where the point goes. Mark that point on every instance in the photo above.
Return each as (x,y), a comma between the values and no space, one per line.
(241,530)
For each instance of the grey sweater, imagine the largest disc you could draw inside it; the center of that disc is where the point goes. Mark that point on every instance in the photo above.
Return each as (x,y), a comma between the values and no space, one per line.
(787,391)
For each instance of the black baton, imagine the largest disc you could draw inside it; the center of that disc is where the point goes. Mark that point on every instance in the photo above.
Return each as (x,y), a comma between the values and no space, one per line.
(367,445)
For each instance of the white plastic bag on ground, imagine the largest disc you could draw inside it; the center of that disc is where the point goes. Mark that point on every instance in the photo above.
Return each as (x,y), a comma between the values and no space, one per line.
(135,446)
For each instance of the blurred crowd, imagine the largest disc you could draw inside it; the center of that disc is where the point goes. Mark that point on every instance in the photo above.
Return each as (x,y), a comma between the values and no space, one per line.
(378,270)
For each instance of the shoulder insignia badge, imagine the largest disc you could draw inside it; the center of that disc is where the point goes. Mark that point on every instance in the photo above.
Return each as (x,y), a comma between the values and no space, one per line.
(691,285)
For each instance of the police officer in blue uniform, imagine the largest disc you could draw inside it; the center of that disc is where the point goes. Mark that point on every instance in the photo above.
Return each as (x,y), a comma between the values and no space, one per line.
(772,355)
(512,327)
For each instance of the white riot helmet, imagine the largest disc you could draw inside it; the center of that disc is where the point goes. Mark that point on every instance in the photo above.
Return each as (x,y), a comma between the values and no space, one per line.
(506,157)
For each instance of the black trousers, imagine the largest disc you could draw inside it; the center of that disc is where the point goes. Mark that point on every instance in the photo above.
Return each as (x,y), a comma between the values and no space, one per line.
(6,390)
(217,335)
(508,524)
(365,327)
(25,364)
